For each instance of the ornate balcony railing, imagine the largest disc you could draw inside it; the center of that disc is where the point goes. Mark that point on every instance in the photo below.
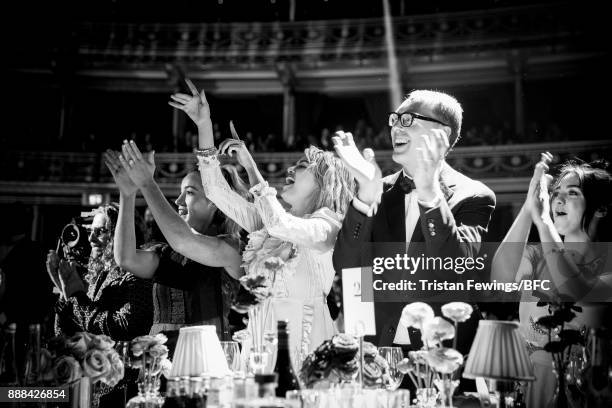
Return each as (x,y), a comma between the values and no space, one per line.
(482,163)
(244,45)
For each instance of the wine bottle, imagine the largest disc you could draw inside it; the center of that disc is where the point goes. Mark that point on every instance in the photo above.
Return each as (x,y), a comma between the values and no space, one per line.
(287,380)
(8,361)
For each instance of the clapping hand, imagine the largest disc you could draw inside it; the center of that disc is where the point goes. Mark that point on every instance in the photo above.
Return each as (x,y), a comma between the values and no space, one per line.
(194,105)
(431,150)
(363,168)
(538,200)
(120,175)
(243,156)
(139,168)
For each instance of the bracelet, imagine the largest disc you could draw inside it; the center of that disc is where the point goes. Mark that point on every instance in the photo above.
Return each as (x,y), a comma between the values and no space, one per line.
(209,151)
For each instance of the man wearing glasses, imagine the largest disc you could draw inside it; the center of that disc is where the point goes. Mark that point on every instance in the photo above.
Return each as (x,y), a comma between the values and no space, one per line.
(426,202)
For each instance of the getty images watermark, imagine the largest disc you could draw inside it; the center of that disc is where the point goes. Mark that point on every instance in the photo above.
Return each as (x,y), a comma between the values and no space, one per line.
(397,272)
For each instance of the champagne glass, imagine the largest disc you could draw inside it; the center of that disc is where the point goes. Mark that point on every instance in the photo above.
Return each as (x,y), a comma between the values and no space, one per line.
(232,354)
(393,355)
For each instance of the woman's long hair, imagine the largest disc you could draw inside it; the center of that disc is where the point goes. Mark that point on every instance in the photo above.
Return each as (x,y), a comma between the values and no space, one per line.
(337,185)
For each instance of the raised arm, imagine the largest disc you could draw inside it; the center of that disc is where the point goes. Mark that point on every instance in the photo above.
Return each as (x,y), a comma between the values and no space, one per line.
(139,263)
(215,186)
(206,250)
(318,232)
(508,257)
(236,146)
(197,108)
(573,266)
(227,200)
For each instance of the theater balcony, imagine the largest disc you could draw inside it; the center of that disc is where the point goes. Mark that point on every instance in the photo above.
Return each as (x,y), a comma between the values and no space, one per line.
(70,178)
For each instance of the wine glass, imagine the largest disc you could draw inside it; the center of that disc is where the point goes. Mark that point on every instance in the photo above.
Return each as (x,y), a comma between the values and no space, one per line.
(232,354)
(393,355)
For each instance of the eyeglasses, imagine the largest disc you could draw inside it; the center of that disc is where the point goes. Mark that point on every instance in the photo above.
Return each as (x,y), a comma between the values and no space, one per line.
(407,118)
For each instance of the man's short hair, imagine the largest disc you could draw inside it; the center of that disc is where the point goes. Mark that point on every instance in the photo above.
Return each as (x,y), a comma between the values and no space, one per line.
(446,108)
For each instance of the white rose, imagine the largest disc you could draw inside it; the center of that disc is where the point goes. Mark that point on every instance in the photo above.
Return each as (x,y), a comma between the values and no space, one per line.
(457,311)
(415,314)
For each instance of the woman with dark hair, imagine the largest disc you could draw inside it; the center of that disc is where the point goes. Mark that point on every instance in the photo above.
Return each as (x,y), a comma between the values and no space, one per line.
(114,302)
(569,217)
(201,257)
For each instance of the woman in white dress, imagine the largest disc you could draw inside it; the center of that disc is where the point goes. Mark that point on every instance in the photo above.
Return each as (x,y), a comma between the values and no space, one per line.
(318,191)
(568,221)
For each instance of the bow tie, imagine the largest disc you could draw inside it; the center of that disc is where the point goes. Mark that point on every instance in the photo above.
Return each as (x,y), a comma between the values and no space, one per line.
(405,183)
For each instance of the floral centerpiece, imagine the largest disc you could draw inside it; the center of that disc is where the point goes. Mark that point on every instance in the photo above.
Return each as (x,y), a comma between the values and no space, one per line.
(149,355)
(336,361)
(82,361)
(268,262)
(434,364)
(68,359)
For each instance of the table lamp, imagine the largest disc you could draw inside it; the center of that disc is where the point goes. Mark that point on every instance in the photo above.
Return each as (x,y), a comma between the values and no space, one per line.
(498,352)
(198,351)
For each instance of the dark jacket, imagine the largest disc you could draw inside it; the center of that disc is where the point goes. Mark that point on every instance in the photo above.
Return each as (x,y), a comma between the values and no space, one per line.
(454,227)
(117,304)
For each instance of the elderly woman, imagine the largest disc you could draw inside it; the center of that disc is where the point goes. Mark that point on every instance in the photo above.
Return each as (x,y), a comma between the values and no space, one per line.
(111,301)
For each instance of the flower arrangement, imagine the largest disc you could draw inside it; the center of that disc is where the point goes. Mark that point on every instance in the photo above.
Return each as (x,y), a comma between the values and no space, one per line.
(150,354)
(434,364)
(83,355)
(337,360)
(267,260)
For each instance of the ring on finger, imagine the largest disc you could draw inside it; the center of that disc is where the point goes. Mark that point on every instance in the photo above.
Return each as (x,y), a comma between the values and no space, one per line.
(131,162)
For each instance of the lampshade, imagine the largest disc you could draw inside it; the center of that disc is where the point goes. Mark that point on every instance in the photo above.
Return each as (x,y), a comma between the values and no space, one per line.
(198,351)
(499,352)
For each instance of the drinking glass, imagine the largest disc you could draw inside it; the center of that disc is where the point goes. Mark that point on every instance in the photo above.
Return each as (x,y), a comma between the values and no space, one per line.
(232,354)
(258,361)
(399,399)
(271,346)
(304,398)
(393,355)
(123,349)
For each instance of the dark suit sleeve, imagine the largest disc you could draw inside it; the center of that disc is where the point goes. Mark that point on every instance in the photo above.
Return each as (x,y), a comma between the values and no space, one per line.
(356,230)
(458,232)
